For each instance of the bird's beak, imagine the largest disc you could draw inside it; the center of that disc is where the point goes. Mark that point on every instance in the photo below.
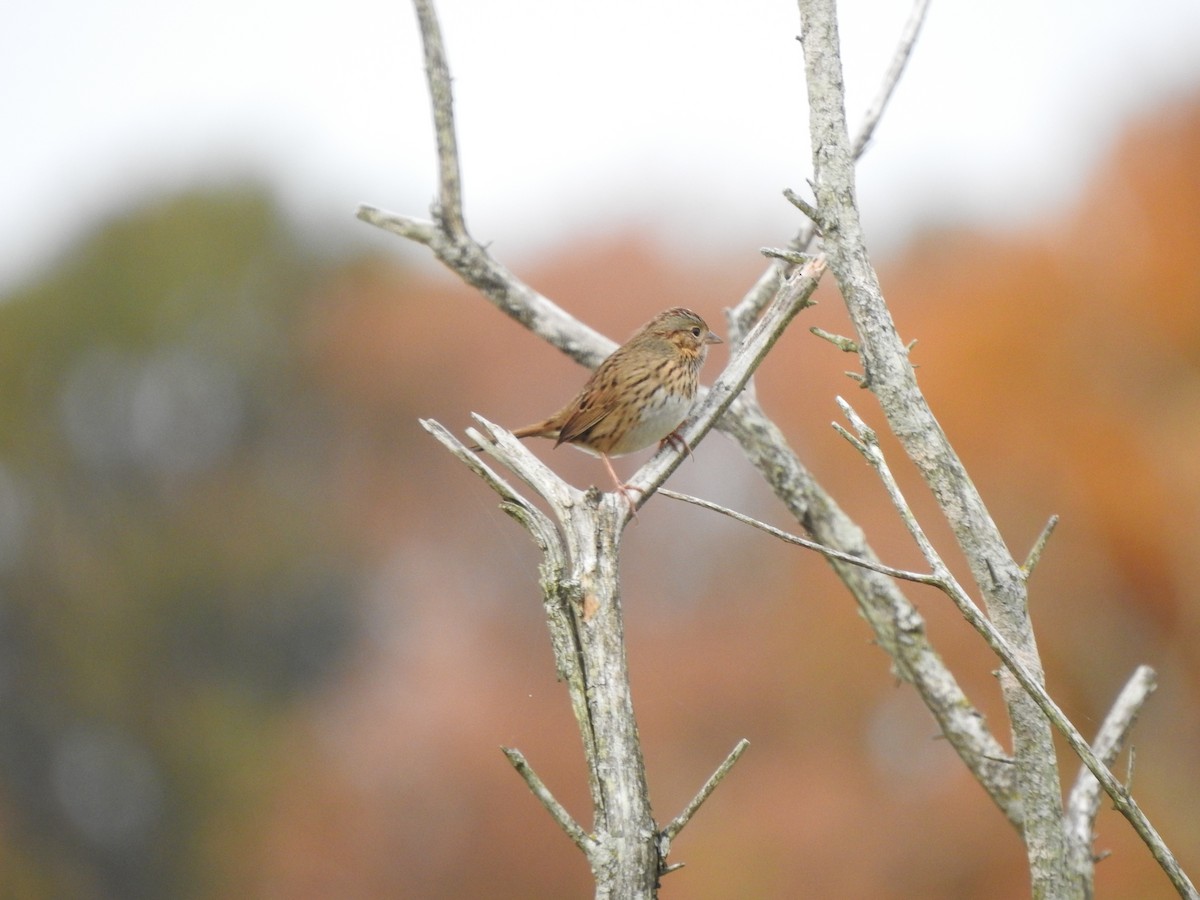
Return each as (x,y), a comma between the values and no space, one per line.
(713,339)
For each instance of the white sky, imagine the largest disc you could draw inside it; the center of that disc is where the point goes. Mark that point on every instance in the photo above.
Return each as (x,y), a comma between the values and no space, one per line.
(683,114)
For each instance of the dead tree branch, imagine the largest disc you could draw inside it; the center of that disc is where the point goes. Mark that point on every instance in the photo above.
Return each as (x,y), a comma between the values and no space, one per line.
(581,542)
(1001,580)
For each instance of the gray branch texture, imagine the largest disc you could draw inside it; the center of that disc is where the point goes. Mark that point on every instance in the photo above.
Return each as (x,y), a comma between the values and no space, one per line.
(580,540)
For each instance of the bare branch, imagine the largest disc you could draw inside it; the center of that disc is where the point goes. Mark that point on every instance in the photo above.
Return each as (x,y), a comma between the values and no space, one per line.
(790,256)
(804,206)
(752,304)
(1031,684)
(582,602)
(845,344)
(897,626)
(501,444)
(827,552)
(490,477)
(867,443)
(908,37)
(418,230)
(447,235)
(1083,803)
(676,825)
(889,374)
(449,210)
(1035,554)
(915,660)
(474,264)
(557,811)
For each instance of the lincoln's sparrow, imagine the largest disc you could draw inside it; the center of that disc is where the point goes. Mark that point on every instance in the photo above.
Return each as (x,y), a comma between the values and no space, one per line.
(638,395)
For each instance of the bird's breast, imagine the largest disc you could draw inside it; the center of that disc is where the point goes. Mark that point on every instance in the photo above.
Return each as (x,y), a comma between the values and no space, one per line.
(662,414)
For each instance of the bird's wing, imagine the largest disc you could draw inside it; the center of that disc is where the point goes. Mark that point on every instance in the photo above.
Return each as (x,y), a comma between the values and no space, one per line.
(584,417)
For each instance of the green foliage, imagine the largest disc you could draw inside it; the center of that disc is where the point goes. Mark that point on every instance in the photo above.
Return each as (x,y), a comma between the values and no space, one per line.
(168,579)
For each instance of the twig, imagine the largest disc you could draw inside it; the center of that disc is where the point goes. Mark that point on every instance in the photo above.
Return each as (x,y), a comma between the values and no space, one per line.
(677,824)
(449,211)
(794,257)
(804,206)
(740,317)
(500,443)
(845,344)
(787,537)
(489,475)
(898,627)
(1083,802)
(900,58)
(557,811)
(867,444)
(942,579)
(1035,553)
(447,234)
(417,230)
(890,376)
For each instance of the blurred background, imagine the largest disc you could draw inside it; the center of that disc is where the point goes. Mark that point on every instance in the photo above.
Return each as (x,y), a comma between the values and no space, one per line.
(260,636)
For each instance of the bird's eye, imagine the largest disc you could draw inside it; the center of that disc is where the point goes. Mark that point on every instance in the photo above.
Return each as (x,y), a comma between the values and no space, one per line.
(696,330)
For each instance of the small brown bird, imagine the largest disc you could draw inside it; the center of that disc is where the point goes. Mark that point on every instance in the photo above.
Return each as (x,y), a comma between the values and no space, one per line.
(638,395)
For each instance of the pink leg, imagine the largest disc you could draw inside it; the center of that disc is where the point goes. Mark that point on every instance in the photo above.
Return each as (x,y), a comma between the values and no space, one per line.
(675,439)
(622,488)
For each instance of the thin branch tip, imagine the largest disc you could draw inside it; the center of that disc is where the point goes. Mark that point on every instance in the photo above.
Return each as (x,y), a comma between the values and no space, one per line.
(831,553)
(845,344)
(557,811)
(866,435)
(900,58)
(791,256)
(850,438)
(676,825)
(448,209)
(418,230)
(810,211)
(1035,552)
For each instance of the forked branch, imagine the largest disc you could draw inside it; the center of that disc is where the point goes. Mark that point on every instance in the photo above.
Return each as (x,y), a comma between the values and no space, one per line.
(865,441)
(1000,580)
(884,607)
(765,445)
